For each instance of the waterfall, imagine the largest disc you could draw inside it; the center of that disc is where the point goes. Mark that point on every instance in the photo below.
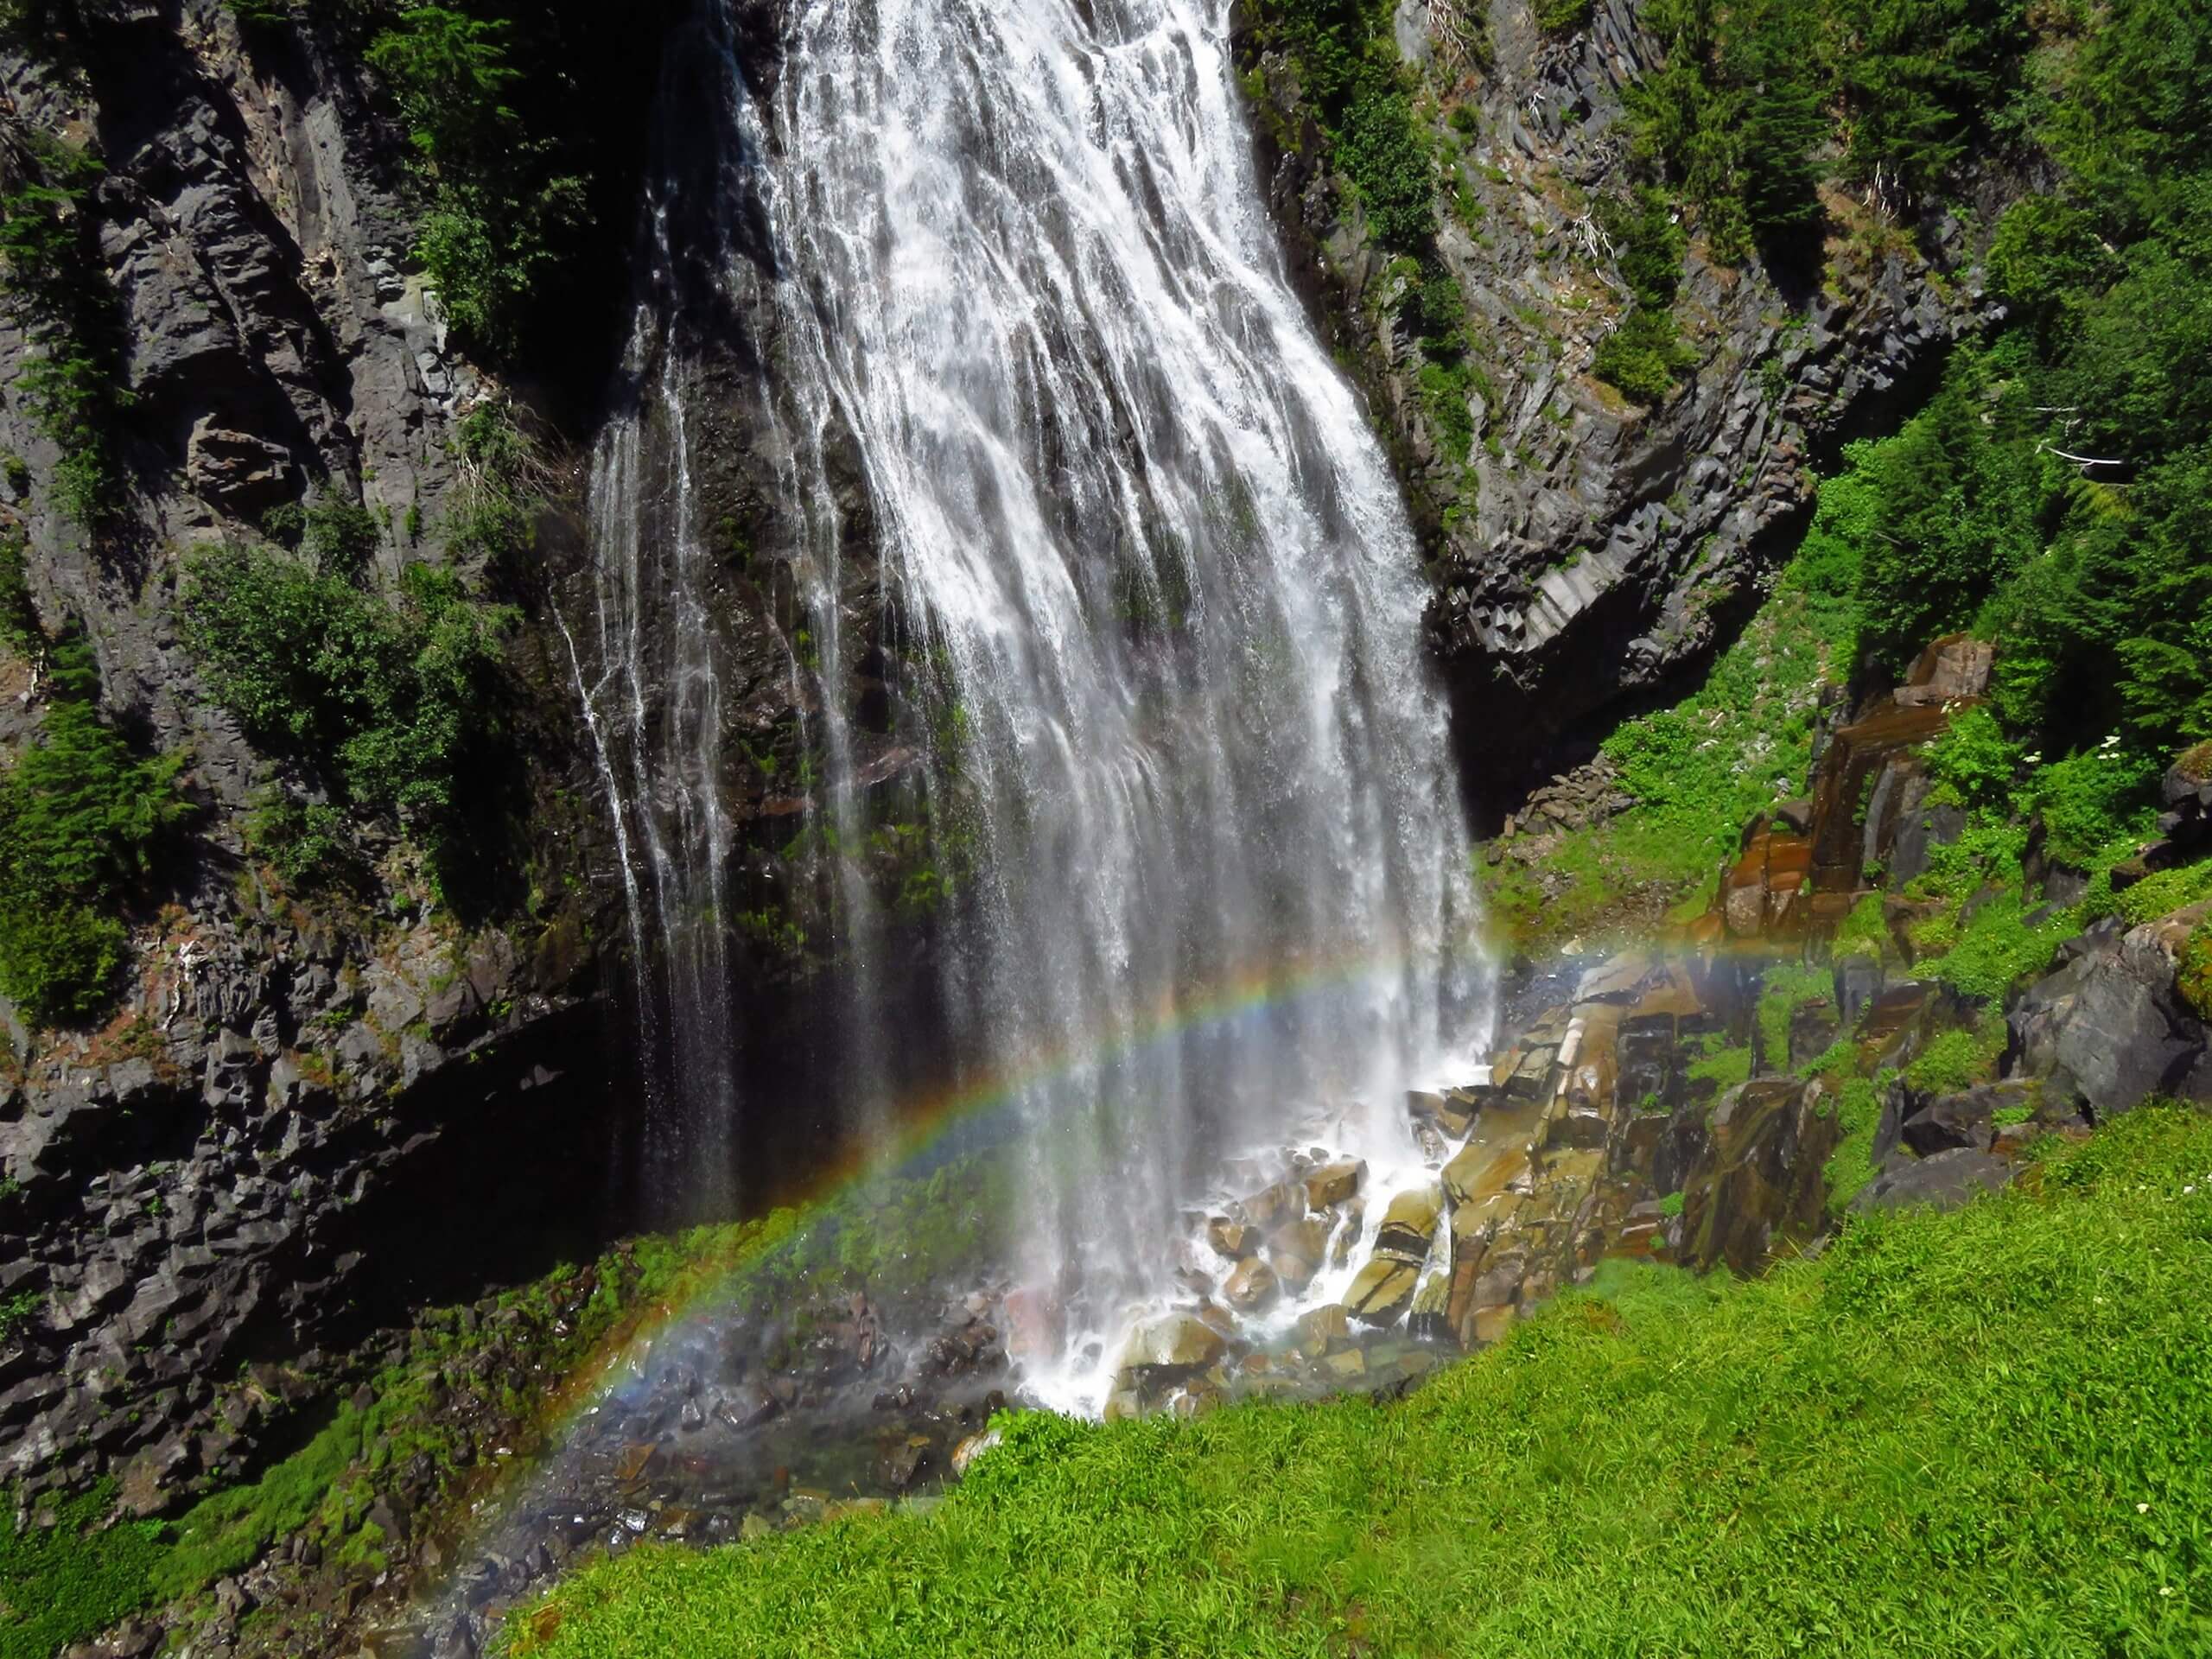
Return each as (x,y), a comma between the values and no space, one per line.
(1147,609)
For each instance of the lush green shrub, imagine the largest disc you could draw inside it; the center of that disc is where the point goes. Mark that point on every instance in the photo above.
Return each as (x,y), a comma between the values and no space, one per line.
(63,1584)
(1974,759)
(54,284)
(2164,892)
(1788,987)
(2093,800)
(1959,499)
(1957,1059)
(1851,1165)
(1642,356)
(340,536)
(394,706)
(503,201)
(1562,17)
(1346,55)
(489,522)
(309,844)
(80,814)
(20,634)
(1745,103)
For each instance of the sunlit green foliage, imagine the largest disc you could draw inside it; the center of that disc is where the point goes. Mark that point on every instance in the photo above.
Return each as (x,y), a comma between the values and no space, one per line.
(393,705)
(1730,749)
(80,811)
(504,201)
(1347,60)
(20,634)
(53,286)
(1645,353)
(1851,1165)
(63,1583)
(1740,114)
(2193,978)
(1958,1059)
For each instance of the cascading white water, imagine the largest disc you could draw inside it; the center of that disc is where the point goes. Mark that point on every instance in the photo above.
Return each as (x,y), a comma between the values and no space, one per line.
(1164,601)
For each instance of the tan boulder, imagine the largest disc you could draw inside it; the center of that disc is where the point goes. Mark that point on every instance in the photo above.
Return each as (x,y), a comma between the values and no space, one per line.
(1323,1326)
(1381,1292)
(1234,1239)
(1409,1225)
(1284,1201)
(1180,1341)
(1253,1287)
(1327,1185)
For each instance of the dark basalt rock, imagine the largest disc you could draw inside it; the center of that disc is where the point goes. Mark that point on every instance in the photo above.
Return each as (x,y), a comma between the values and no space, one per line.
(1945,1181)
(1759,1177)
(1967,1120)
(2108,1029)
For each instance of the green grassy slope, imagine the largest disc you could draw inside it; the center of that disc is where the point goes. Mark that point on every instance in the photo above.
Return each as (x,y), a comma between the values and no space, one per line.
(1980,1433)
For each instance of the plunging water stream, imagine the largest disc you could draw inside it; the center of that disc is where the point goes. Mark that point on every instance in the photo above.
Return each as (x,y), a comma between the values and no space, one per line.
(1155,614)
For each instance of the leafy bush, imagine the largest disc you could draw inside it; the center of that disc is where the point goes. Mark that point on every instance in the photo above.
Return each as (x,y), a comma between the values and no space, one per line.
(1957,1059)
(307,843)
(1742,106)
(2092,800)
(79,815)
(488,524)
(67,1582)
(54,284)
(1958,495)
(20,634)
(503,201)
(340,536)
(1788,987)
(394,706)
(1973,760)
(1642,356)
(2164,892)
(1346,55)
(1851,1165)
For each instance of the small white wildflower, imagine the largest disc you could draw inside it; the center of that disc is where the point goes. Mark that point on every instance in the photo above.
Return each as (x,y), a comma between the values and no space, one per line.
(2165,1589)
(2099,1301)
(2142,1509)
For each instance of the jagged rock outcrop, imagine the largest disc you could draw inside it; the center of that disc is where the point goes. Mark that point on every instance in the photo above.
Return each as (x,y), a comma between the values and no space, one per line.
(2109,1029)
(1586,548)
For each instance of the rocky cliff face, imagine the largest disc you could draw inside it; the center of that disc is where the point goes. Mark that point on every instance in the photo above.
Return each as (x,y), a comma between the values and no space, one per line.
(1587,550)
(217,1173)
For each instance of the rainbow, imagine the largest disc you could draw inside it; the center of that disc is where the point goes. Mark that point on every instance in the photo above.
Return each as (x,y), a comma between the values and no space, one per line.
(923,1125)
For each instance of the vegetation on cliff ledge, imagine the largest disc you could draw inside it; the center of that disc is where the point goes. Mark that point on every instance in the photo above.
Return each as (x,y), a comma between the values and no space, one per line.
(81,810)
(1962,1435)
